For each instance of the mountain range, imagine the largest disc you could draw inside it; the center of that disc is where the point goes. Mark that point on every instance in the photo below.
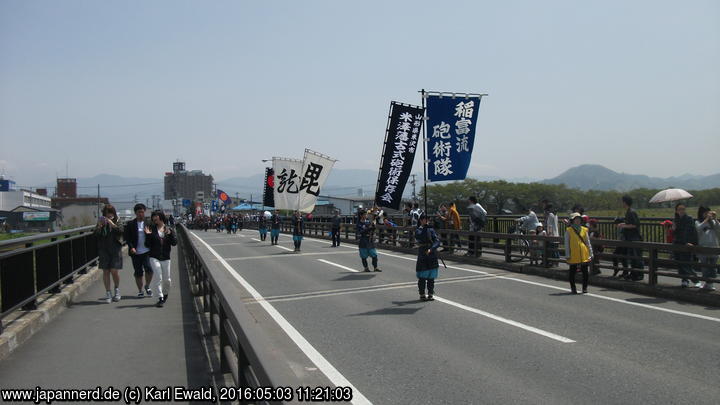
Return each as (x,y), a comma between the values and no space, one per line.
(357,182)
(597,177)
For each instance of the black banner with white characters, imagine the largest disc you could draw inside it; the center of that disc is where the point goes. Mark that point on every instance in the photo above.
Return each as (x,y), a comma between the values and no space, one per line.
(268,196)
(402,136)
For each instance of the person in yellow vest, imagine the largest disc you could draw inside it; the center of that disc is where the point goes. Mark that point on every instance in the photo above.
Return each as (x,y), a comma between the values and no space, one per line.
(578,250)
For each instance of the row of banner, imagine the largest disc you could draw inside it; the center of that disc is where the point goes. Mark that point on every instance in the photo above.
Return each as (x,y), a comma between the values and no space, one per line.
(450,132)
(294,184)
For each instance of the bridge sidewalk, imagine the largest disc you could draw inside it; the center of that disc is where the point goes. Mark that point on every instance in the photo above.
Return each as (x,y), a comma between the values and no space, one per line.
(125,343)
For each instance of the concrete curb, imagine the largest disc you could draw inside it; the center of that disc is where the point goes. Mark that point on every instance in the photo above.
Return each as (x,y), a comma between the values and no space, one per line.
(25,324)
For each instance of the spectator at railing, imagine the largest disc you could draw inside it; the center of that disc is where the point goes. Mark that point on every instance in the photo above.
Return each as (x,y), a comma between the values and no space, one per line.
(685,234)
(594,233)
(552,228)
(478,218)
(578,251)
(708,230)
(454,223)
(630,228)
(440,222)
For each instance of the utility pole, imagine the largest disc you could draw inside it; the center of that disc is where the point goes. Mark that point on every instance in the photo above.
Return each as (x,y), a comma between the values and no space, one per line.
(98,200)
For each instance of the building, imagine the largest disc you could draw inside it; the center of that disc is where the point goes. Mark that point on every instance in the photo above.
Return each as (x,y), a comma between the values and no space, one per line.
(182,184)
(24,210)
(73,210)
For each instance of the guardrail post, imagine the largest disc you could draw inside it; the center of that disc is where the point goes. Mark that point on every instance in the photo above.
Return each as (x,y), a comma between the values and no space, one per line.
(546,253)
(652,266)
(496,229)
(224,341)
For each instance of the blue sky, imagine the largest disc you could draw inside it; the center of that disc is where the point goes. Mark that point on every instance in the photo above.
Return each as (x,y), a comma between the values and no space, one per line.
(125,87)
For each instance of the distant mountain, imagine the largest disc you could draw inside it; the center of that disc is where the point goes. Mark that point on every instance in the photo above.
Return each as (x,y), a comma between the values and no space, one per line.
(597,177)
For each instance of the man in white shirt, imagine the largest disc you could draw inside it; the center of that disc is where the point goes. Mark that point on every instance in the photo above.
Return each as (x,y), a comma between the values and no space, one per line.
(139,254)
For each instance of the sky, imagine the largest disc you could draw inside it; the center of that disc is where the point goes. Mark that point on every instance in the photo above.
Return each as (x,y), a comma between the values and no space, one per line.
(127,87)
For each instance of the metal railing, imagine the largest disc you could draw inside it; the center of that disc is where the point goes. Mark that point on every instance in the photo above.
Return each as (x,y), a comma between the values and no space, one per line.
(39,264)
(650,228)
(240,344)
(646,258)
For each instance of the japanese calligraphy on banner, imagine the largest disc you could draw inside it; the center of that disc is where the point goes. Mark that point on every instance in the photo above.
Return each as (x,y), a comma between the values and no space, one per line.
(451,135)
(315,170)
(401,138)
(268,193)
(287,182)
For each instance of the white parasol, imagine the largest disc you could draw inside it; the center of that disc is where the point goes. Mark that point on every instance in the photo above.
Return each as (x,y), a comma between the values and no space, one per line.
(267,214)
(671,194)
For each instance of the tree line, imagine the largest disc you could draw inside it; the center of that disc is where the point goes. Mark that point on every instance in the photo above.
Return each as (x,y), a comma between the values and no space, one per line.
(501,196)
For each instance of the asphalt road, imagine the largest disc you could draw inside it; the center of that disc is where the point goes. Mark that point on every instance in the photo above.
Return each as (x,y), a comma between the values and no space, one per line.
(491,337)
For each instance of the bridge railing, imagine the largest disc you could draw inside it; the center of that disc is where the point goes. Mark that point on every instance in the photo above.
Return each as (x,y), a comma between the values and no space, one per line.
(650,228)
(39,264)
(649,258)
(240,346)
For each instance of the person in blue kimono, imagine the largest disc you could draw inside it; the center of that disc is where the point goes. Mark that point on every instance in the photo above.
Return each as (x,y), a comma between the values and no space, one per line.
(366,244)
(426,268)
(298,230)
(275,223)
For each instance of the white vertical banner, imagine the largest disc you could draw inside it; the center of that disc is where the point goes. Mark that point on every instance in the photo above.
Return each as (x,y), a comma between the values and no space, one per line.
(315,170)
(288,174)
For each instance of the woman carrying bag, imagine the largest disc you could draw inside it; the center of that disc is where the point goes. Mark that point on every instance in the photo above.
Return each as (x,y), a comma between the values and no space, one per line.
(109,237)
(160,239)
(578,251)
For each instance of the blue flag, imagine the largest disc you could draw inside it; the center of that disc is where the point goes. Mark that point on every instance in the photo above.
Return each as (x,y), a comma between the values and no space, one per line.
(451,135)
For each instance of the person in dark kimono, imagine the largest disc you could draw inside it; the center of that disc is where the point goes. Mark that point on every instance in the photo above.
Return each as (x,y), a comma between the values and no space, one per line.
(366,244)
(275,222)
(262,227)
(298,228)
(426,268)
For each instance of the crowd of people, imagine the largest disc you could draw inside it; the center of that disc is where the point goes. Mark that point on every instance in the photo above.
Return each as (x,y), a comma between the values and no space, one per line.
(149,244)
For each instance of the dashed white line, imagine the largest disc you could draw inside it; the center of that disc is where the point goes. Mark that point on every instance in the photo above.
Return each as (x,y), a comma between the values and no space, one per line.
(338,265)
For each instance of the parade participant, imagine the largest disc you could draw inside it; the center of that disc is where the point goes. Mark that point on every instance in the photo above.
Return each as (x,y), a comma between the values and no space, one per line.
(366,244)
(262,227)
(685,234)
(298,228)
(335,229)
(275,222)
(160,239)
(426,268)
(578,251)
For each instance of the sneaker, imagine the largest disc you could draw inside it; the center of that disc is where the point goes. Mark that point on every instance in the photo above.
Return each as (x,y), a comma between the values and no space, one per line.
(685,284)
(430,298)
(165,297)
(423,297)
(699,284)
(378,269)
(140,294)
(116,297)
(709,287)
(584,292)
(160,303)
(367,269)
(108,297)
(148,291)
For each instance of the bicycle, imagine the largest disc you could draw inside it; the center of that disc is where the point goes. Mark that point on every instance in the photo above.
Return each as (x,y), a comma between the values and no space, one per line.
(520,246)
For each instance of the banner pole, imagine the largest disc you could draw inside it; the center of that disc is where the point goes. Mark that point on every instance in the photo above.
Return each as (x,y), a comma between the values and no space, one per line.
(422,95)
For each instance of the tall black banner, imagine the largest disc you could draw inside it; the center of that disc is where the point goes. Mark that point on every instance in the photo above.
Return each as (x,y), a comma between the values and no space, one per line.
(268,196)
(402,135)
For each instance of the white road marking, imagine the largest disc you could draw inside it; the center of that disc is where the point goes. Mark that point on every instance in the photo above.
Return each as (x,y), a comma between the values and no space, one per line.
(507,321)
(228,244)
(284,248)
(618,300)
(338,265)
(256,239)
(284,256)
(328,369)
